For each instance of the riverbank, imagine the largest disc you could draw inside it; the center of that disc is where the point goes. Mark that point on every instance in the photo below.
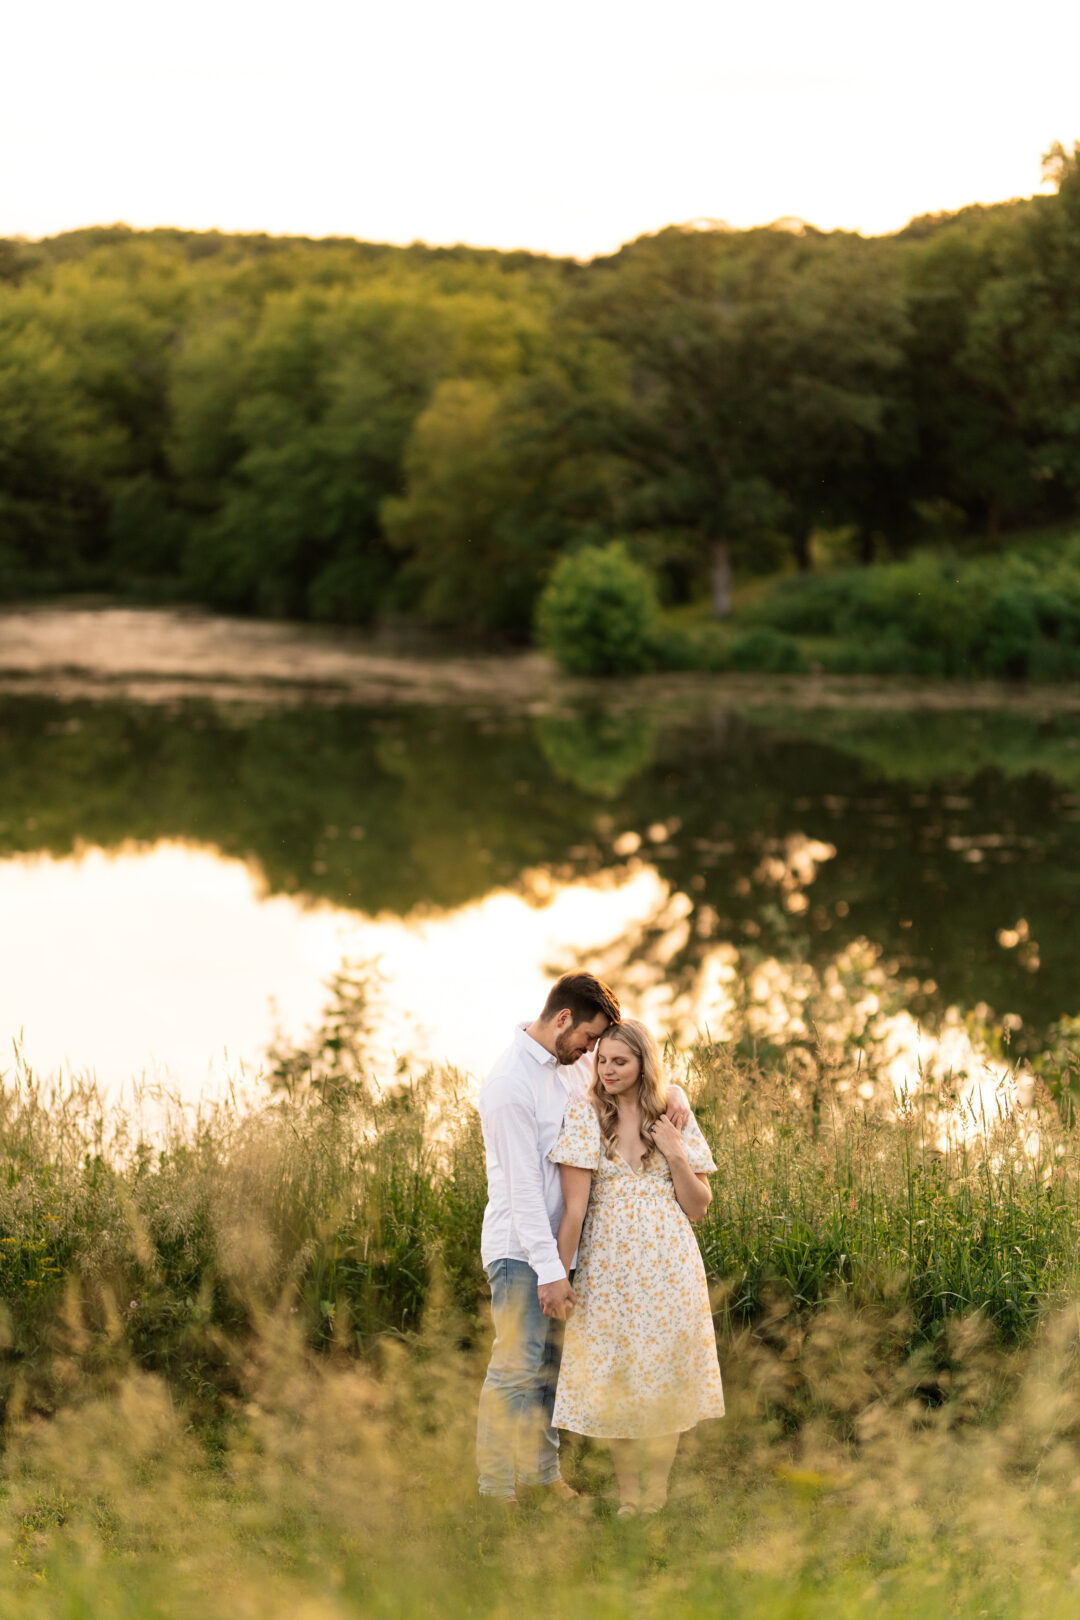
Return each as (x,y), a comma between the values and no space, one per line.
(171,655)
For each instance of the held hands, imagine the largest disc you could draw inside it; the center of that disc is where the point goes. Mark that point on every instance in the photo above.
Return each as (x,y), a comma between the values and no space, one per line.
(557,1299)
(667,1139)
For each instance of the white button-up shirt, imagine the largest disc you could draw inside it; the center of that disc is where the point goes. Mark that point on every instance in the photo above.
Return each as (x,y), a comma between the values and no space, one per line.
(521,1105)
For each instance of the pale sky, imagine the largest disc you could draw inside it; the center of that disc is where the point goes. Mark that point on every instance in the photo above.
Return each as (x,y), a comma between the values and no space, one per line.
(568,126)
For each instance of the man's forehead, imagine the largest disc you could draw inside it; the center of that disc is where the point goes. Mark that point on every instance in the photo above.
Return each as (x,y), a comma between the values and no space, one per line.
(596,1026)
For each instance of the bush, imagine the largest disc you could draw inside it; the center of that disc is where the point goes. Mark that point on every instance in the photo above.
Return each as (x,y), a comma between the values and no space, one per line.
(1012,616)
(769,651)
(806,604)
(599,614)
(674,648)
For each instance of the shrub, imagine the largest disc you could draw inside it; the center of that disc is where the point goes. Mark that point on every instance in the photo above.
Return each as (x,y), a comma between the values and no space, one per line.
(806,604)
(769,651)
(675,648)
(1011,616)
(599,614)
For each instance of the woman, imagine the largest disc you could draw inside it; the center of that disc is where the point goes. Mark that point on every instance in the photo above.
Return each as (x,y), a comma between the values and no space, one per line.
(639,1360)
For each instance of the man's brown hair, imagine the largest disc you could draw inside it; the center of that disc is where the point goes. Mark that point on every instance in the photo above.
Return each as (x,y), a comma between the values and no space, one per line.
(583,995)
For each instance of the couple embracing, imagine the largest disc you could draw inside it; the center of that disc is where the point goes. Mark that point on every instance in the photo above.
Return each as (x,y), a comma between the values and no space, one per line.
(598,1292)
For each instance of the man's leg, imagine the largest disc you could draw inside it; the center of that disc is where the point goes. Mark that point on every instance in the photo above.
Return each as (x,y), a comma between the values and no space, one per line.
(514,1437)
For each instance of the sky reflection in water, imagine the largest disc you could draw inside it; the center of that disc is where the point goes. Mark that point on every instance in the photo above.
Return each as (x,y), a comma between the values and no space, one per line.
(172,964)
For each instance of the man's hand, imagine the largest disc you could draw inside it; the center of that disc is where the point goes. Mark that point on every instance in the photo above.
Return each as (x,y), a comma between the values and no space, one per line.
(557,1299)
(678,1107)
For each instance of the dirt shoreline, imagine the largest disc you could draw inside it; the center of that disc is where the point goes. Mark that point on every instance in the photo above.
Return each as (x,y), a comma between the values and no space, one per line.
(173,655)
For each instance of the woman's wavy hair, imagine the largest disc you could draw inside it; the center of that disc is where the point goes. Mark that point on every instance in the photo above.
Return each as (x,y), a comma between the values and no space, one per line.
(651,1093)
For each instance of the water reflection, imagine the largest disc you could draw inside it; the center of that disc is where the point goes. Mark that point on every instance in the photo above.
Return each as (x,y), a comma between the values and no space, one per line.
(598,751)
(175,966)
(947,841)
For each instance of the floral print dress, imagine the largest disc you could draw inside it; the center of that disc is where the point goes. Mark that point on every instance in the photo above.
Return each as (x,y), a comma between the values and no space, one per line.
(639,1355)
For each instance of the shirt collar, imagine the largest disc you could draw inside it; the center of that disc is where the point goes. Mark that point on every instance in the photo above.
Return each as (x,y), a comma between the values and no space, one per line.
(539,1053)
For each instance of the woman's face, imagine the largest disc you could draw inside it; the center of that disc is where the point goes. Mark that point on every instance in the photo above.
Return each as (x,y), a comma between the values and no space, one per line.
(617,1067)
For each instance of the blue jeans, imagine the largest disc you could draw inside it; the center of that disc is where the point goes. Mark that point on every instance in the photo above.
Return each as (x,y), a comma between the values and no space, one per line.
(515,1441)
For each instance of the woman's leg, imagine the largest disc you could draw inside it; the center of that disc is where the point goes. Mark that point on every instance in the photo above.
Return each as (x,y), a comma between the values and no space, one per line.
(658,1456)
(626,1458)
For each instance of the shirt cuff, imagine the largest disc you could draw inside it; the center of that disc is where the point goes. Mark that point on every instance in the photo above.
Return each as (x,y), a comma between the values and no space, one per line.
(553,1271)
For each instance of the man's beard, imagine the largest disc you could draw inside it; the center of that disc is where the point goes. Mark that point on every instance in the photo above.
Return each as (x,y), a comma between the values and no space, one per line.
(566,1049)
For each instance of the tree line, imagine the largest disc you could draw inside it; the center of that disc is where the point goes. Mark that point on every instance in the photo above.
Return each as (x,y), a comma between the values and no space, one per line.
(340,431)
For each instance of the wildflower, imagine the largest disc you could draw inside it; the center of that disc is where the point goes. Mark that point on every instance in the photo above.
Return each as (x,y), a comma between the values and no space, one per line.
(133,1305)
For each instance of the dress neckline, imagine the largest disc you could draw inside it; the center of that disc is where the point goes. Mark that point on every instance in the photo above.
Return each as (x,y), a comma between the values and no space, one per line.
(640,1171)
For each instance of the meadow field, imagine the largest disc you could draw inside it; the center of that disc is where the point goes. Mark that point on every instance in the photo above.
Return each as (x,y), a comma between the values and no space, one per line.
(241,1355)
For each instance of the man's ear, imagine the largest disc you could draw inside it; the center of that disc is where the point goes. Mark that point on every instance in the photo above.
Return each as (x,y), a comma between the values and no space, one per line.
(563,1019)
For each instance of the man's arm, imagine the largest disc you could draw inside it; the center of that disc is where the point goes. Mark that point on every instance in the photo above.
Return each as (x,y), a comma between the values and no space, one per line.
(678,1107)
(510,1131)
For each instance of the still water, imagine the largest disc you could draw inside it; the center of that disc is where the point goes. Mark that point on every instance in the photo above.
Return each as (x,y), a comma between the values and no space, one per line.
(177,882)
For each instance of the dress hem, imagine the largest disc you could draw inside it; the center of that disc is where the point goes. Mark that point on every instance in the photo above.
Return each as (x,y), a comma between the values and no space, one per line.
(642,1434)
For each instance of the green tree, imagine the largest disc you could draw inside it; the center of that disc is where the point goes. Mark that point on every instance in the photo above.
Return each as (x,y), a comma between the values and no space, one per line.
(1022,348)
(757,371)
(460,481)
(492,494)
(55,457)
(291,439)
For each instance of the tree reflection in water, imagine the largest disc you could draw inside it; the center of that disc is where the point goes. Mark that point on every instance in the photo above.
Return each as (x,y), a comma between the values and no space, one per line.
(952,831)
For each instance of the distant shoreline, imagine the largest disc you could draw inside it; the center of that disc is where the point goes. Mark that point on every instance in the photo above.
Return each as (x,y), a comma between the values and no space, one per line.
(77,652)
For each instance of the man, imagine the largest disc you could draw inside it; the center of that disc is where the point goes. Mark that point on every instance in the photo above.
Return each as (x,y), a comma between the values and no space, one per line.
(521,1112)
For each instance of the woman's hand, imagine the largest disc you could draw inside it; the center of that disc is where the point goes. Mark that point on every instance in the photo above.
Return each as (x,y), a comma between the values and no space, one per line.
(667,1139)
(691,1188)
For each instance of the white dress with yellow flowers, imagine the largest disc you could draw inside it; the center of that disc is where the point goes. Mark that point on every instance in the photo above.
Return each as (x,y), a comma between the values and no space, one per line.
(639,1355)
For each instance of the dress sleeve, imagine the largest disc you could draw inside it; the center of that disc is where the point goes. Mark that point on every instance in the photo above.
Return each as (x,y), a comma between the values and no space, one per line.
(698,1156)
(578,1142)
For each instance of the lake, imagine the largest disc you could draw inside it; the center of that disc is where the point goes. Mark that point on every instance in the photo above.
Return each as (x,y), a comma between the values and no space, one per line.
(191,844)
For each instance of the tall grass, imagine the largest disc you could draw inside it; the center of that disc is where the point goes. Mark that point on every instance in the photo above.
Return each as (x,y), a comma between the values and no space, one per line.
(341,1202)
(888,1205)
(240,1360)
(344,1487)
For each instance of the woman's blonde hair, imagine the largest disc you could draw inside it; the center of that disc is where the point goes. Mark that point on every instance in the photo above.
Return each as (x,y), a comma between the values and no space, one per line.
(650,1083)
